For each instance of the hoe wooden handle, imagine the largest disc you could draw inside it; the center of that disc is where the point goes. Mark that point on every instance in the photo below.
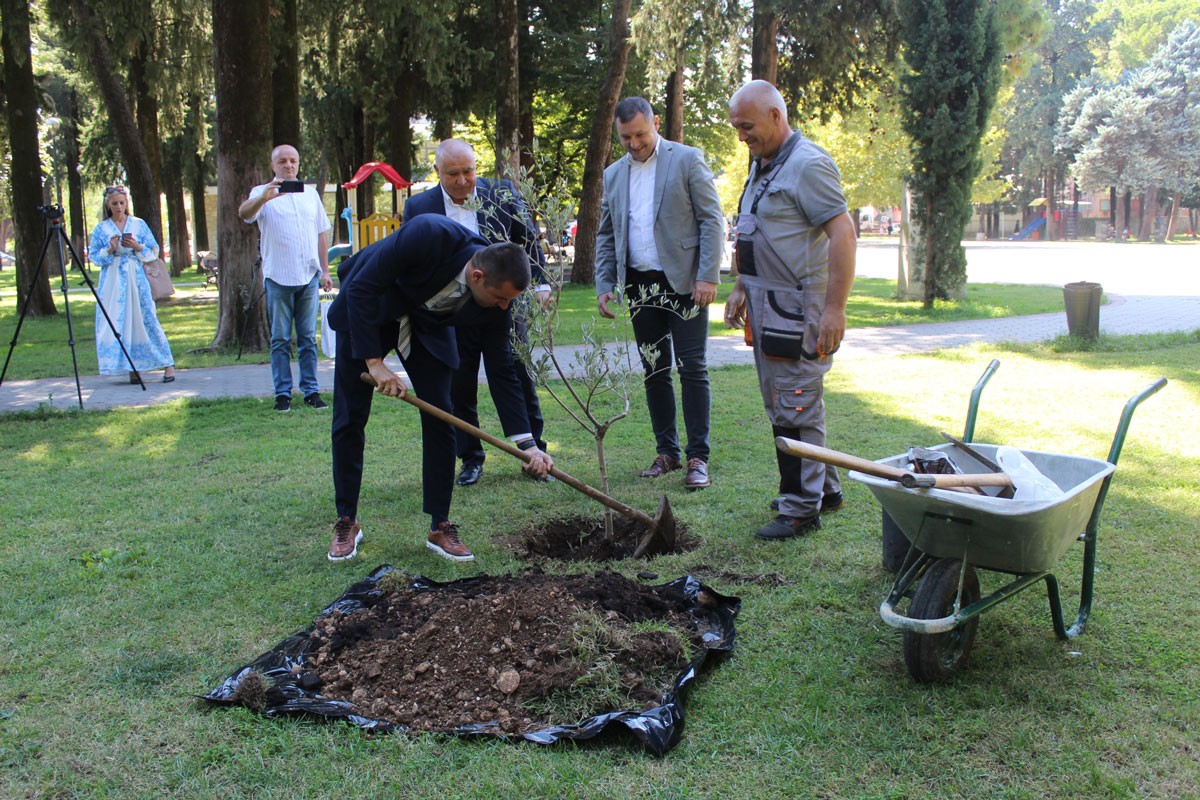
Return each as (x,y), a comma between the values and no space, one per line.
(908,479)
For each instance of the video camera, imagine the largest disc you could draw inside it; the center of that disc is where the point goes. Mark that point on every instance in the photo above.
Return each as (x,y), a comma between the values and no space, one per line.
(51,212)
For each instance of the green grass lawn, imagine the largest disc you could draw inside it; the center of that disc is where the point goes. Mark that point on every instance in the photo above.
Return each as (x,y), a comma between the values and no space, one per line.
(190,320)
(150,551)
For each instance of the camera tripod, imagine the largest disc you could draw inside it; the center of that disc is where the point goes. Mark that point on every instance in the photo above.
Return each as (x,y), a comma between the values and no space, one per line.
(52,217)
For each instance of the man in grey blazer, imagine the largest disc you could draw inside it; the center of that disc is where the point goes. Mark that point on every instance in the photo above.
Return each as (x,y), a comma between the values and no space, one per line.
(660,242)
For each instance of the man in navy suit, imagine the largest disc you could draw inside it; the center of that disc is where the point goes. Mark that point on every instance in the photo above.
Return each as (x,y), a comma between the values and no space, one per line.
(494,210)
(404,293)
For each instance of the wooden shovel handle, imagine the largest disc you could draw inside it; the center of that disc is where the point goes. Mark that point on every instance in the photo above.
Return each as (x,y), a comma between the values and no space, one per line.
(513,450)
(908,479)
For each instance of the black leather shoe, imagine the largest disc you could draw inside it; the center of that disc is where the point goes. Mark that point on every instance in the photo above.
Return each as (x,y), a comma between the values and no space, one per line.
(469,476)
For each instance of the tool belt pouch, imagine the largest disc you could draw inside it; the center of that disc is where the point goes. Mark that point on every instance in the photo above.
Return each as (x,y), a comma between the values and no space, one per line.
(744,245)
(782,334)
(744,253)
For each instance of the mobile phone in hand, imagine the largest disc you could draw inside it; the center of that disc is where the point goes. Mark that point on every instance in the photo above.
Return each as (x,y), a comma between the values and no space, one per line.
(291,186)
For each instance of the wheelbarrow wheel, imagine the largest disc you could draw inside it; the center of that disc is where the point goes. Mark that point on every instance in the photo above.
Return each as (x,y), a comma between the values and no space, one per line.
(935,657)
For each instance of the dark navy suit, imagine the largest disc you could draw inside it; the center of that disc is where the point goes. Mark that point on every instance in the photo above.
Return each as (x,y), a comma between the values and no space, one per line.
(379,284)
(502,218)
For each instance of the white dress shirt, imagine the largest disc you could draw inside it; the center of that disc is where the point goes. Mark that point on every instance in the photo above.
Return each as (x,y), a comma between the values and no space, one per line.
(288,227)
(462,214)
(643,252)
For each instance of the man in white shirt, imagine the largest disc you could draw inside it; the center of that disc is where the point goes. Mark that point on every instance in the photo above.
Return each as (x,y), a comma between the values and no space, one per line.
(660,243)
(293,242)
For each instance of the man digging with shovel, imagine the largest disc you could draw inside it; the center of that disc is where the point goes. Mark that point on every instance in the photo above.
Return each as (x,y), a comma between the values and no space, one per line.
(405,293)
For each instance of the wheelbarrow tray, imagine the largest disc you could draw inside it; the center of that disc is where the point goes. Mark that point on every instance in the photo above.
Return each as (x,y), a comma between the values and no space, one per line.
(1008,535)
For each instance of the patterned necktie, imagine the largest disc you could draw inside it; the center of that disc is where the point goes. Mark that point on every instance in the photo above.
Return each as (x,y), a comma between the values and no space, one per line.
(447,301)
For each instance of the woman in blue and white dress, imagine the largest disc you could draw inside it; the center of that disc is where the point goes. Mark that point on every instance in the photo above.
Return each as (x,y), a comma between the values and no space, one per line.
(121,243)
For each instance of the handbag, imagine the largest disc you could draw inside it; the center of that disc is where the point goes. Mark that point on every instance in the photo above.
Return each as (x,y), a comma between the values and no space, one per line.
(160,280)
(328,336)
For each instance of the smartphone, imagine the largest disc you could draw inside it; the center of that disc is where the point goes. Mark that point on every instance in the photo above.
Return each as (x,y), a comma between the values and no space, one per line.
(291,186)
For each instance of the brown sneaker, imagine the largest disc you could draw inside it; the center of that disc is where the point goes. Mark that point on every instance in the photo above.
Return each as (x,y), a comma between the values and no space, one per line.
(346,536)
(444,541)
(663,464)
(697,474)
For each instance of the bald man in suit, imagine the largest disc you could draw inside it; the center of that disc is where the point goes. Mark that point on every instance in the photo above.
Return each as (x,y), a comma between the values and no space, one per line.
(493,209)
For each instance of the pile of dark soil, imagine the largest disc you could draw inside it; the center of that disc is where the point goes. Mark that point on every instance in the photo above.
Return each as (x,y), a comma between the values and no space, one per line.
(536,656)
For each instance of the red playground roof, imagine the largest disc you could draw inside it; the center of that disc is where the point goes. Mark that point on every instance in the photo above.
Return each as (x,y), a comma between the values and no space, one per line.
(383,169)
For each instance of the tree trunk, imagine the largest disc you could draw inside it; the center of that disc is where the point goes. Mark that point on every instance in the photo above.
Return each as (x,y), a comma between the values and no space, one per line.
(242,69)
(70,145)
(21,103)
(527,68)
(199,205)
(364,198)
(197,177)
(1048,191)
(181,251)
(674,110)
(583,271)
(285,75)
(401,111)
(764,52)
(508,90)
(142,188)
(146,114)
(1149,213)
(1175,201)
(930,276)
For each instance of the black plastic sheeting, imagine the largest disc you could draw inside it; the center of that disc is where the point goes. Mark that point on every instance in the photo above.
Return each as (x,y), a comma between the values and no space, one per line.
(658,728)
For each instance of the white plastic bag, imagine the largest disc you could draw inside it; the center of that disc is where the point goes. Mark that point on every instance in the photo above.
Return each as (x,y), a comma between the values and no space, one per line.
(1029,483)
(328,335)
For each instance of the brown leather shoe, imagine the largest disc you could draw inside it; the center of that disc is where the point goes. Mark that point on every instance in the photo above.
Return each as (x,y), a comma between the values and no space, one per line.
(697,474)
(444,541)
(346,536)
(663,464)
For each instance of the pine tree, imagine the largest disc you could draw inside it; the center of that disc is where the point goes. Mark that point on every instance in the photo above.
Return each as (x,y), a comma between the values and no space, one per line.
(953,50)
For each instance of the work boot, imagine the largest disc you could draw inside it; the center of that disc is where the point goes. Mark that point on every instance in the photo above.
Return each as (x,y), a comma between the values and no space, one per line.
(663,464)
(785,527)
(444,541)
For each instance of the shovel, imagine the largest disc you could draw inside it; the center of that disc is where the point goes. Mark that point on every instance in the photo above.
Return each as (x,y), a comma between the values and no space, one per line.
(1007,492)
(660,529)
(910,480)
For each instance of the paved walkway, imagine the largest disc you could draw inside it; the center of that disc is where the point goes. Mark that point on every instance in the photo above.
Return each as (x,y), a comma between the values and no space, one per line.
(1123,315)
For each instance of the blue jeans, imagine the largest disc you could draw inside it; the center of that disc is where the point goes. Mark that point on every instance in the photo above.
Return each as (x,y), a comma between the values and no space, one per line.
(298,305)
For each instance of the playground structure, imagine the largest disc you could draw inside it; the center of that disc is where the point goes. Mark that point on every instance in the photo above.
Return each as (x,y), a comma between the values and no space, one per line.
(374,227)
(1036,224)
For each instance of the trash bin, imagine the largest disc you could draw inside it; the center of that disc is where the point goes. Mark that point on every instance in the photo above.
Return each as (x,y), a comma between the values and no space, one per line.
(1082,300)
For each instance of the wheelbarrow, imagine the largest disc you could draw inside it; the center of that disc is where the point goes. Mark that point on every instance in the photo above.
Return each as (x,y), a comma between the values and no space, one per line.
(954,534)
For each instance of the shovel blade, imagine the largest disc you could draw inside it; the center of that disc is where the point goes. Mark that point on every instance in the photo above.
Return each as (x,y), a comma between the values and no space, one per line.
(660,538)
